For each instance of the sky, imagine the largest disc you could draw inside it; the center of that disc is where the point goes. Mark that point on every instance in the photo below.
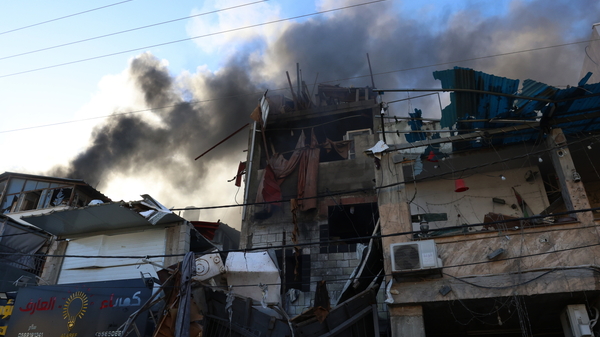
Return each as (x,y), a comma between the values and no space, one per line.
(126,94)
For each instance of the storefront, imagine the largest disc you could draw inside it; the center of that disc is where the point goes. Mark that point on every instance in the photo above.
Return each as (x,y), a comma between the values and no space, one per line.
(78,310)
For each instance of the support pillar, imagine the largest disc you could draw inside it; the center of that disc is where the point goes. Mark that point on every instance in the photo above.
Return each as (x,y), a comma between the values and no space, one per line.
(572,189)
(407,321)
(53,264)
(394,212)
(178,243)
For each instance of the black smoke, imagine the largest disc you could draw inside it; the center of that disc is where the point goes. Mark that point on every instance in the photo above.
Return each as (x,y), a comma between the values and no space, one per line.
(136,145)
(404,49)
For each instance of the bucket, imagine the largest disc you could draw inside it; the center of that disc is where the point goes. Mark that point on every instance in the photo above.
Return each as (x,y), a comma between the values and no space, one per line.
(459,185)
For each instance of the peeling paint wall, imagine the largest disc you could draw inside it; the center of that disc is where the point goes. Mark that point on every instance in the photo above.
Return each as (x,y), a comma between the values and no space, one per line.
(470,207)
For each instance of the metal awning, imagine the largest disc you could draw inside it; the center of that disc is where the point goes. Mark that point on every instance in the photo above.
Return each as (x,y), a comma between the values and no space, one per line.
(96,218)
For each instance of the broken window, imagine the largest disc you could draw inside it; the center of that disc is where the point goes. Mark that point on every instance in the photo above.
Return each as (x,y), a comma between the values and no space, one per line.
(346,224)
(9,203)
(29,200)
(23,195)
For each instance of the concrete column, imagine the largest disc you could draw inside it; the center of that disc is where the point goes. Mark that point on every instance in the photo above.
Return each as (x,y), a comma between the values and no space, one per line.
(52,266)
(573,192)
(407,321)
(394,212)
(178,242)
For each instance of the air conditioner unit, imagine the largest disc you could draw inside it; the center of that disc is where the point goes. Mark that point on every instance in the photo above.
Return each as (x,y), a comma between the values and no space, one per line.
(350,136)
(575,321)
(415,256)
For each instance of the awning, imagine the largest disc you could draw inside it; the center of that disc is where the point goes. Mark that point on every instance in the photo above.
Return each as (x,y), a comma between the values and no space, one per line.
(96,218)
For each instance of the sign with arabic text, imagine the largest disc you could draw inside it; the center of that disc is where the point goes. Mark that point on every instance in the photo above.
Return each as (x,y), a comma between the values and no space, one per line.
(94,309)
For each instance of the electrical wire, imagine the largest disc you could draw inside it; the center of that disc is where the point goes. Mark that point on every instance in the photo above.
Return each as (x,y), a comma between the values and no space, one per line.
(376,188)
(241,95)
(63,17)
(189,38)
(320,243)
(129,30)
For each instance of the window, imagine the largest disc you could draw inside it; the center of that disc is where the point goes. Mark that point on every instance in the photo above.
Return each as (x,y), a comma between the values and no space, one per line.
(23,195)
(347,222)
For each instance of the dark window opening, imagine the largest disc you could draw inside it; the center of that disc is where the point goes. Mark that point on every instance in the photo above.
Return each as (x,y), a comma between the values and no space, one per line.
(284,136)
(346,224)
(297,272)
(24,195)
(30,200)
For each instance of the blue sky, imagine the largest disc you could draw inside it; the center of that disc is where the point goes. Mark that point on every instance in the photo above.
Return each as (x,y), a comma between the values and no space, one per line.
(398,35)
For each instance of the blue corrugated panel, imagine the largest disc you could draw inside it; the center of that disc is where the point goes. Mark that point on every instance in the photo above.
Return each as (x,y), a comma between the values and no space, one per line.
(578,107)
(531,88)
(482,106)
(470,105)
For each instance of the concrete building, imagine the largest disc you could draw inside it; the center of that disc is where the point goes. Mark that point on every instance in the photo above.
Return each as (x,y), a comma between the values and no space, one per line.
(304,148)
(25,195)
(491,221)
(487,215)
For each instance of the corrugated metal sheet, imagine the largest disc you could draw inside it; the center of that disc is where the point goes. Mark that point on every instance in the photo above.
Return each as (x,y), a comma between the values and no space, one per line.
(475,106)
(578,107)
(96,218)
(466,106)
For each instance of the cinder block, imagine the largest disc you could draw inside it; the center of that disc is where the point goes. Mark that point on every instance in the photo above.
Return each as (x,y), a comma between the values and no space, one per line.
(342,263)
(318,265)
(336,256)
(348,271)
(334,271)
(330,264)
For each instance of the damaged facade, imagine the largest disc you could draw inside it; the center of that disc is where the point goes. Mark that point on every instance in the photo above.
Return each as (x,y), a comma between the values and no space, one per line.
(75,262)
(487,214)
(491,224)
(479,223)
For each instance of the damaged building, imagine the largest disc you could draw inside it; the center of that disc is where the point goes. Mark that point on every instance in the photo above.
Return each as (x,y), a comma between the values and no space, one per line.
(75,262)
(305,153)
(486,215)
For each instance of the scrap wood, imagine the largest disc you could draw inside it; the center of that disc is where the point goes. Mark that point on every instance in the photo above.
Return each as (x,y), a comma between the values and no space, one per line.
(322,304)
(296,103)
(166,327)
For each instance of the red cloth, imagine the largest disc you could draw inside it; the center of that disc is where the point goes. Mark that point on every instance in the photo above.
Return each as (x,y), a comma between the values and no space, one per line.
(308,174)
(307,159)
(271,191)
(238,177)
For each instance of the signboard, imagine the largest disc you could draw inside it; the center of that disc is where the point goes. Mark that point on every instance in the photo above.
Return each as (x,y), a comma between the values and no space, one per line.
(6,308)
(94,309)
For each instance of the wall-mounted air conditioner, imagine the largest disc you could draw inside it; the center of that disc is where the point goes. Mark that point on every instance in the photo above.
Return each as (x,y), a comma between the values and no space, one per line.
(575,321)
(415,256)
(350,136)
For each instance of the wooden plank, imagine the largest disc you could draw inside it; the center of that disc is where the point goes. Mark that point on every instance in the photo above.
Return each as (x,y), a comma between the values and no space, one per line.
(296,107)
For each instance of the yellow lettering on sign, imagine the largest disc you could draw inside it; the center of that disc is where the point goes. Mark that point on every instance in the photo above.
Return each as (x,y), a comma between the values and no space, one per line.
(3,330)
(6,310)
(70,334)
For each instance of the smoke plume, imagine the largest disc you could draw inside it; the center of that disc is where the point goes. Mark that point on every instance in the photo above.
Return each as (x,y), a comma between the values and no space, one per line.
(194,111)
